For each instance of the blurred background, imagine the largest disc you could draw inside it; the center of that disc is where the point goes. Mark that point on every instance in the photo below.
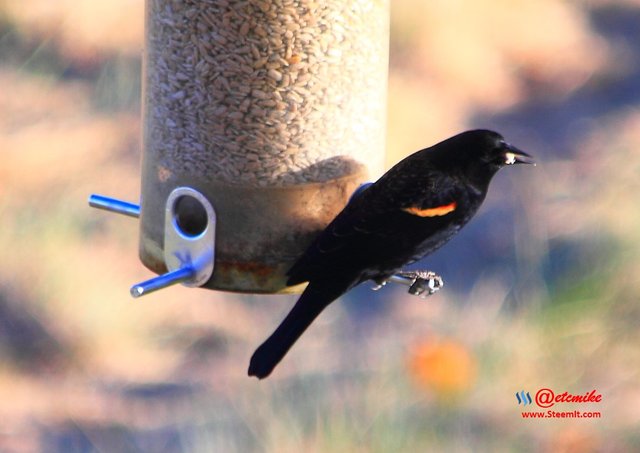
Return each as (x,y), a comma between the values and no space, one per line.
(541,288)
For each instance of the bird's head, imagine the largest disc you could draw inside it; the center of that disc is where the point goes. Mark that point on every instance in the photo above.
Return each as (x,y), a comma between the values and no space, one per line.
(481,153)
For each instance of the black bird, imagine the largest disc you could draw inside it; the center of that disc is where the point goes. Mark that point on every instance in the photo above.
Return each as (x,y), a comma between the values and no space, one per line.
(411,211)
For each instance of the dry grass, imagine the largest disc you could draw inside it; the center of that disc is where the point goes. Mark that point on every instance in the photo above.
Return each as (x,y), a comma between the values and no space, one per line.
(83,28)
(451,58)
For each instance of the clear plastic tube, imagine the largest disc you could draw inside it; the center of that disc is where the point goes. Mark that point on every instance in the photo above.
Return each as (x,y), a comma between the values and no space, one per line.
(281,102)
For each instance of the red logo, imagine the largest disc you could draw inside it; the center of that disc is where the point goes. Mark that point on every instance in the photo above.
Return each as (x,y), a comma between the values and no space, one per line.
(546,398)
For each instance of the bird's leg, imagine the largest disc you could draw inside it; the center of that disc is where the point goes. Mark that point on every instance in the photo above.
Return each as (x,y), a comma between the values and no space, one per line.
(421,283)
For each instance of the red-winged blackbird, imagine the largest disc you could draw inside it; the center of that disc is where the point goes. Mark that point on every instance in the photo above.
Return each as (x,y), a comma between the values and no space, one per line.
(411,211)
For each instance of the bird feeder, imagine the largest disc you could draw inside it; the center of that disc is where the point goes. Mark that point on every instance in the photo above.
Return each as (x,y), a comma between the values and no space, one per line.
(260,119)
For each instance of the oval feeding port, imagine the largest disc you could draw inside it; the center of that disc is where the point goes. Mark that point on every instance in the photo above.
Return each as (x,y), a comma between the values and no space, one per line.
(190,234)
(190,216)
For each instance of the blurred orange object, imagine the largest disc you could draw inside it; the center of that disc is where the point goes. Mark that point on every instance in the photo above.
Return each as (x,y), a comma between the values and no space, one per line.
(443,366)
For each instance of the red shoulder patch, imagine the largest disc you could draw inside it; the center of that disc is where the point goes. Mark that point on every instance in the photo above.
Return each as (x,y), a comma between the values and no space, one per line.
(432,212)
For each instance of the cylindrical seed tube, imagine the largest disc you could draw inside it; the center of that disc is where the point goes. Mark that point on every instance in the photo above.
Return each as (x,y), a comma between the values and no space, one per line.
(273,109)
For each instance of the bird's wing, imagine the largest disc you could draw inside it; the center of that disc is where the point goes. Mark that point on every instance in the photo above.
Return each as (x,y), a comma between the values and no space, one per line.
(380,212)
(410,190)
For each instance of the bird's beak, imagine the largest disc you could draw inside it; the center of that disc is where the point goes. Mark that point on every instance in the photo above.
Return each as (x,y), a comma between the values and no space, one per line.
(514,156)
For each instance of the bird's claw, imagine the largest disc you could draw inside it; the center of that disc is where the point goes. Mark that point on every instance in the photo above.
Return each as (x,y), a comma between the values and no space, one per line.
(421,283)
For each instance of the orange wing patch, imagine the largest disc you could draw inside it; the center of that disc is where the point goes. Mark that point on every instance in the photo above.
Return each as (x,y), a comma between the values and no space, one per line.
(432,212)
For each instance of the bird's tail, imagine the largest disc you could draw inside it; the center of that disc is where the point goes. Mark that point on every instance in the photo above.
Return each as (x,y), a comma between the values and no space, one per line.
(315,298)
